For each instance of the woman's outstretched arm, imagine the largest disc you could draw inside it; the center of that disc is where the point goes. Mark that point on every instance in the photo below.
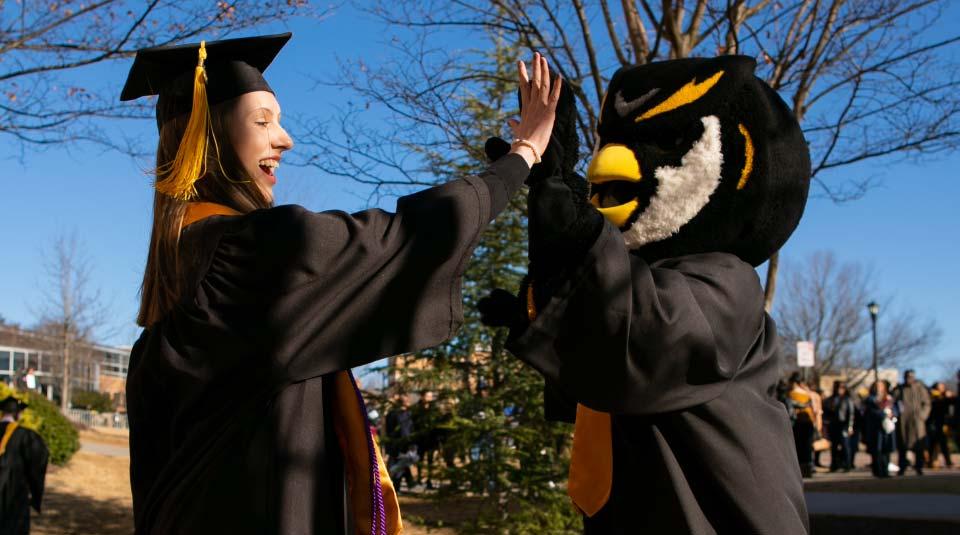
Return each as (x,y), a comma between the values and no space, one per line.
(320,292)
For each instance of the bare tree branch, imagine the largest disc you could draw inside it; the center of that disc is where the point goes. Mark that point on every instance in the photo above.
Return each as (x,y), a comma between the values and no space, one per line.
(71,309)
(49,44)
(612,32)
(824,301)
(866,78)
(638,34)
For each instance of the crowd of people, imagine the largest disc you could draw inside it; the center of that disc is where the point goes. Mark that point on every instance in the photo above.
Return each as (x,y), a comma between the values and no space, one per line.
(413,436)
(910,418)
(417,437)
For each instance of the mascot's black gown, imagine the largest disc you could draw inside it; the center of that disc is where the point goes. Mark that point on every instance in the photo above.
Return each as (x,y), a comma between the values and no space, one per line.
(681,353)
(23,468)
(643,305)
(229,394)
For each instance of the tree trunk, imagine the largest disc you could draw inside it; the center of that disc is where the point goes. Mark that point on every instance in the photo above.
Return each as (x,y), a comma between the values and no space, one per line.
(65,388)
(771,287)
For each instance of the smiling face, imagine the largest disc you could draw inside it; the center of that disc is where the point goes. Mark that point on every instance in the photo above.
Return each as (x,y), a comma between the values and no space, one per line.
(258,138)
(698,155)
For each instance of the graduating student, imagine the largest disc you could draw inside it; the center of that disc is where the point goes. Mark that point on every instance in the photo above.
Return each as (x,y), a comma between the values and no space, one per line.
(244,416)
(23,468)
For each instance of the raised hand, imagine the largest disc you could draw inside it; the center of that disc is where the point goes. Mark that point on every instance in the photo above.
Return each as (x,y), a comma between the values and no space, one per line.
(538,106)
(563,151)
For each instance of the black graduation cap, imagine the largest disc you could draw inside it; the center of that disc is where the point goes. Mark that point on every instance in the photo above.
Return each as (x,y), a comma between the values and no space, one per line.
(191,78)
(11,405)
(233,66)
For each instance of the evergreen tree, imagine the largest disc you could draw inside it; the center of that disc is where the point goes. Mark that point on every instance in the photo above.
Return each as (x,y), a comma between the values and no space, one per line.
(488,408)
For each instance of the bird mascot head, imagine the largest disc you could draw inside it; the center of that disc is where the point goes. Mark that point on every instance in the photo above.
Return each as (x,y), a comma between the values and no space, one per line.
(698,155)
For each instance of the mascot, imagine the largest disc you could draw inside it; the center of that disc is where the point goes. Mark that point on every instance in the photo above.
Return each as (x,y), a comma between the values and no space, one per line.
(642,308)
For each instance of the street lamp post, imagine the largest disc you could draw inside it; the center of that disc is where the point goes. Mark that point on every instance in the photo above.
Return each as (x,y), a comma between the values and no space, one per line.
(874,309)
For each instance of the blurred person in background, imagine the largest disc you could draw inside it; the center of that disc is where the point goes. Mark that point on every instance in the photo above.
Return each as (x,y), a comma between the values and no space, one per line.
(914,401)
(941,400)
(954,419)
(23,468)
(840,413)
(804,422)
(400,446)
(880,422)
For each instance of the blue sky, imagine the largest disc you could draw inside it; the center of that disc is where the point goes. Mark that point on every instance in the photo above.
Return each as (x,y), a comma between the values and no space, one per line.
(905,228)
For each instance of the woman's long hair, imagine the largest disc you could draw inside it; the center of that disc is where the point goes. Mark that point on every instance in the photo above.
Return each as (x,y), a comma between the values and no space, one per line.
(225,182)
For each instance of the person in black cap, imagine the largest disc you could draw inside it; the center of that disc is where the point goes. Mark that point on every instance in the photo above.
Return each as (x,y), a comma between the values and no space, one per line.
(244,417)
(23,468)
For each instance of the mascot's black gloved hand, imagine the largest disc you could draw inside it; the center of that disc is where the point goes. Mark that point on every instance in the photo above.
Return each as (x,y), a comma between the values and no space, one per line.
(561,223)
(502,309)
(563,226)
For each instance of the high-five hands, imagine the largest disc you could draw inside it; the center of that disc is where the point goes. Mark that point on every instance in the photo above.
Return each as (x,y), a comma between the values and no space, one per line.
(538,106)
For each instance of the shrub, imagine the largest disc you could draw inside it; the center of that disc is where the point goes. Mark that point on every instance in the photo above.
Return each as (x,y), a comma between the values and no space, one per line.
(91,401)
(45,418)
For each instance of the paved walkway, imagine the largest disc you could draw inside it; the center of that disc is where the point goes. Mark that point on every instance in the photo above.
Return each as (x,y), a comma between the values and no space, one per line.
(104,449)
(907,506)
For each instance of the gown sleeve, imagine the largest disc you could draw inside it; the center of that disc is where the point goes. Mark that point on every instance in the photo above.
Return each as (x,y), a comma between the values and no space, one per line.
(624,336)
(327,291)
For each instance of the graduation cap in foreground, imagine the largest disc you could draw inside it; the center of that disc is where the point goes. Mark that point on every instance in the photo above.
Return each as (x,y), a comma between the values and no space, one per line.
(11,405)
(189,79)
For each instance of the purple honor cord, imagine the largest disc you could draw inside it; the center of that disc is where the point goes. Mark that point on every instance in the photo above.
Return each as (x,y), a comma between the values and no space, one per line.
(379,520)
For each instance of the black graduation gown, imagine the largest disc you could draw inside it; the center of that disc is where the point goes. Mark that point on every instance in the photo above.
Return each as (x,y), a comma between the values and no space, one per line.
(229,394)
(683,356)
(23,468)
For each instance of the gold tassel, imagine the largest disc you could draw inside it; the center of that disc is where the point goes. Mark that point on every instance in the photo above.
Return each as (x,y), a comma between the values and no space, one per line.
(191,161)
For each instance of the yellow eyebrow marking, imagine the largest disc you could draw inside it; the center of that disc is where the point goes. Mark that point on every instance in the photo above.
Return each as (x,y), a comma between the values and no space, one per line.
(683,96)
(748,157)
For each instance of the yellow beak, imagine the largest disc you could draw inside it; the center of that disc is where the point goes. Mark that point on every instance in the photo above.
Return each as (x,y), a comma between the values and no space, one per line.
(614,162)
(618,215)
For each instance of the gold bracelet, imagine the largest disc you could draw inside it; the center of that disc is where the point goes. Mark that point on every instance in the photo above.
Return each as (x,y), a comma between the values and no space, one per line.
(529,145)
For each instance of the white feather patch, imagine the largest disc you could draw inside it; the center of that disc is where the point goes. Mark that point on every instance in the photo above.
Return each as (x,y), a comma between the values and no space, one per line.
(681,191)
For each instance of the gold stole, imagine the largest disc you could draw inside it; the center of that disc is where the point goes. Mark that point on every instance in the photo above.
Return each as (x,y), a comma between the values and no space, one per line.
(350,424)
(591,462)
(11,427)
(590,479)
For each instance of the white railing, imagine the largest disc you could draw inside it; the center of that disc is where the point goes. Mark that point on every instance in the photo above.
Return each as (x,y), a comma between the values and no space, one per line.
(115,420)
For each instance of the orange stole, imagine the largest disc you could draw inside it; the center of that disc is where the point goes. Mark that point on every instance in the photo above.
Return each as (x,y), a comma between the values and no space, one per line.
(350,425)
(590,479)
(352,431)
(202,210)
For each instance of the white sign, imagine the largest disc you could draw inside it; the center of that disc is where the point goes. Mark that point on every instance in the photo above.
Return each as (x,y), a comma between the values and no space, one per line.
(805,354)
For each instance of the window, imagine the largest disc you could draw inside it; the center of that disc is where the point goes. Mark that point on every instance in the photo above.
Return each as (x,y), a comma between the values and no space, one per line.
(19,361)
(45,362)
(33,361)
(117,371)
(4,361)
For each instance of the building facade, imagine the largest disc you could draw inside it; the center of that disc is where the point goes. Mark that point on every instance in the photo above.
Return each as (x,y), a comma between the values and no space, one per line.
(94,368)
